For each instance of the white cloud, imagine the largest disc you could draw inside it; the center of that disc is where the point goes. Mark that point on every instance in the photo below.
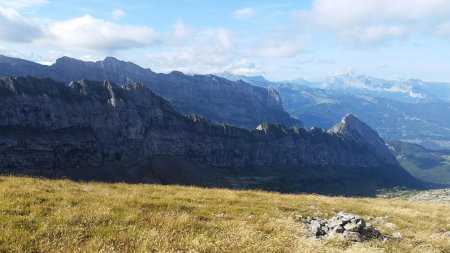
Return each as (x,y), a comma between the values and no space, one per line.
(15,28)
(243,67)
(281,42)
(369,21)
(243,13)
(118,13)
(89,33)
(373,34)
(223,39)
(443,29)
(16,4)
(206,51)
(181,31)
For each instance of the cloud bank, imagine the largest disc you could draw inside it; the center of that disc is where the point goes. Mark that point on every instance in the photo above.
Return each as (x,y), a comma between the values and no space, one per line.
(369,22)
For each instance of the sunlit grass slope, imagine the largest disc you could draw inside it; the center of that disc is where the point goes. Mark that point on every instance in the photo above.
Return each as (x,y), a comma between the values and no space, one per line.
(38,215)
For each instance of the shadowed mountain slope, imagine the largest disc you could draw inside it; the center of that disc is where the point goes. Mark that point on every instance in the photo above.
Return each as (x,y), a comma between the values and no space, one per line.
(98,130)
(219,99)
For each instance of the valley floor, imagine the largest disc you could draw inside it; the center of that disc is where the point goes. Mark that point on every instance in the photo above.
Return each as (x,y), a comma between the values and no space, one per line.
(39,215)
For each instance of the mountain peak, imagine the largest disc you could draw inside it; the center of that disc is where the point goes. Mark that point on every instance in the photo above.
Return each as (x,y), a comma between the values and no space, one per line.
(353,128)
(349,118)
(111,59)
(350,124)
(66,58)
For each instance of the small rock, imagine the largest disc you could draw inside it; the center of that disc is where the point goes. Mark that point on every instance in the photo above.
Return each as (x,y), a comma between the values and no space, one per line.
(390,225)
(335,223)
(397,236)
(361,223)
(338,229)
(371,233)
(220,215)
(352,227)
(352,236)
(447,234)
(345,217)
(313,232)
(315,223)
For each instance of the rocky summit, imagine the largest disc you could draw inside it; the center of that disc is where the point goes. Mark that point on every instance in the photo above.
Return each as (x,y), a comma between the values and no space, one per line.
(98,130)
(222,101)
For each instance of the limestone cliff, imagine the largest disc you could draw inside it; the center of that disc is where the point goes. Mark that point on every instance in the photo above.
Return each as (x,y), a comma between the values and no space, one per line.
(237,103)
(98,130)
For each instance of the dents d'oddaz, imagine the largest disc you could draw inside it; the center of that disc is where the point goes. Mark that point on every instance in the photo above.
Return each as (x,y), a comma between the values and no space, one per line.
(98,130)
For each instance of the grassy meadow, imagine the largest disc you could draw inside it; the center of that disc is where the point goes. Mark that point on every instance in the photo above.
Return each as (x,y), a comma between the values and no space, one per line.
(40,215)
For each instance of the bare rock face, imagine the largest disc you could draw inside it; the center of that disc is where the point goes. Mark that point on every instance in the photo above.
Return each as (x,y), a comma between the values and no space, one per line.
(99,130)
(223,101)
(353,128)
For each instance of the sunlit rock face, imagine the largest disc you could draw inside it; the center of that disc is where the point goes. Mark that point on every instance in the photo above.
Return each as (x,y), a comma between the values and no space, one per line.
(222,101)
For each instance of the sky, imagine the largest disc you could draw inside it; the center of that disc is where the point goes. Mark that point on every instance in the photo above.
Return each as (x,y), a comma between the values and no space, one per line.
(279,39)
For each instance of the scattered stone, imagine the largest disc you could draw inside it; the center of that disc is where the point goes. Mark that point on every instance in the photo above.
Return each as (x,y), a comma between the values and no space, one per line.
(441,196)
(353,227)
(353,236)
(343,225)
(447,234)
(397,235)
(371,233)
(220,215)
(390,225)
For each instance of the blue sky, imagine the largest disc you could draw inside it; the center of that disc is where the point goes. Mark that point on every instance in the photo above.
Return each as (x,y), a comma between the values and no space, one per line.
(279,39)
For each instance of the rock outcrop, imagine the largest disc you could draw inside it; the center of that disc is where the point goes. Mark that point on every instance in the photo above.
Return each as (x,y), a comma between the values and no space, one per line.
(223,101)
(353,128)
(344,226)
(99,130)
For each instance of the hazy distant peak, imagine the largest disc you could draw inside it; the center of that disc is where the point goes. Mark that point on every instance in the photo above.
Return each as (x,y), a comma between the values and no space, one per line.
(111,59)
(64,59)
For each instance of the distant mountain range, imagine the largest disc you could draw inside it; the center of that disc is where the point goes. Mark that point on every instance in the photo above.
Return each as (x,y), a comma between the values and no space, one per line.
(237,103)
(412,111)
(99,130)
(410,91)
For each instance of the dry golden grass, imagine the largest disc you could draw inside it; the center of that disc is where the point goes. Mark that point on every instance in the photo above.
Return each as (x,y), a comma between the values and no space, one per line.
(38,215)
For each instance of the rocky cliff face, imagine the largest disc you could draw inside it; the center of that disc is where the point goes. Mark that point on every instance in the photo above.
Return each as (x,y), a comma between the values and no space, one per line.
(219,99)
(98,130)
(352,128)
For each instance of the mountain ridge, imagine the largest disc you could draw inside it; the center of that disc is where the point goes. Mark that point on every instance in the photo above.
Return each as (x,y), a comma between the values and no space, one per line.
(422,122)
(98,130)
(219,99)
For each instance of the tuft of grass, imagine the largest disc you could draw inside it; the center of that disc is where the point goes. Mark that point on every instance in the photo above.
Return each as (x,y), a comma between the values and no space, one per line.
(39,215)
